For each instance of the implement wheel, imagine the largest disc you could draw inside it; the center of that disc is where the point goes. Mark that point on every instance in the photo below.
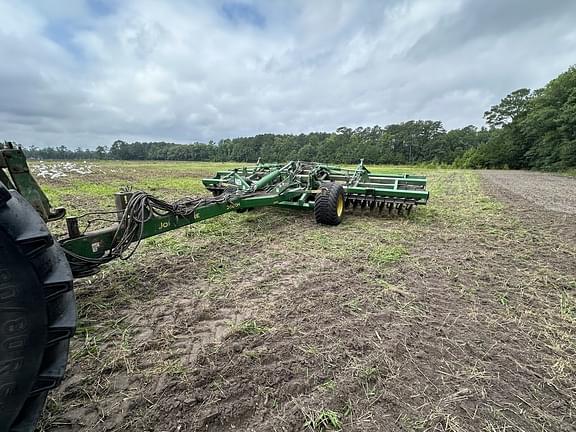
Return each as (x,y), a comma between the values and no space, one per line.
(329,204)
(37,313)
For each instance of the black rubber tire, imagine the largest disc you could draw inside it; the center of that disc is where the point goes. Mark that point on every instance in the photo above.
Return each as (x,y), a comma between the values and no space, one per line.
(326,204)
(37,313)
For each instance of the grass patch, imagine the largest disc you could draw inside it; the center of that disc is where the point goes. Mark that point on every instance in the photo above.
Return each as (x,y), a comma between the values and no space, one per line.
(324,420)
(327,385)
(168,367)
(567,306)
(353,305)
(503,299)
(368,373)
(250,328)
(170,243)
(383,255)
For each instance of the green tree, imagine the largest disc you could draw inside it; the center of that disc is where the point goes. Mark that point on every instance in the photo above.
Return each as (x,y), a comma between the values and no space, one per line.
(509,108)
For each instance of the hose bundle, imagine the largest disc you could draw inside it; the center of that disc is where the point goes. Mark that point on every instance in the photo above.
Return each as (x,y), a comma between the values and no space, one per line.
(141,208)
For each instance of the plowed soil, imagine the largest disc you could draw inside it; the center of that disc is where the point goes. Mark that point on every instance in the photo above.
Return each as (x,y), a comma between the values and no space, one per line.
(460,317)
(551,192)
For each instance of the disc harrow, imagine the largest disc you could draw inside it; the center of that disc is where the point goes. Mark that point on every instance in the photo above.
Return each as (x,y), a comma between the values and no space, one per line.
(379,205)
(389,194)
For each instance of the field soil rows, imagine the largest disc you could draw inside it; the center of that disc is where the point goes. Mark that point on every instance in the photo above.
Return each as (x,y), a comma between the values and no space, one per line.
(458,318)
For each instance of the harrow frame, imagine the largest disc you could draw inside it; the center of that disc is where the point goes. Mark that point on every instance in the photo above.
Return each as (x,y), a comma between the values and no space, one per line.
(362,188)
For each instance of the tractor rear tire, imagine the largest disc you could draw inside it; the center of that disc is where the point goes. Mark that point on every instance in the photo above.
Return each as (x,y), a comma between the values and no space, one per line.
(329,204)
(37,313)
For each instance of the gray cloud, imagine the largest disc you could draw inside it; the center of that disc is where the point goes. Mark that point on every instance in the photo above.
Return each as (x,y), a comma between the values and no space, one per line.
(83,73)
(494,21)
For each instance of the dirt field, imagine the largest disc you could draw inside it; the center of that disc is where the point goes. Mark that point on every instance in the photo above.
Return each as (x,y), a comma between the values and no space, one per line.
(553,192)
(459,318)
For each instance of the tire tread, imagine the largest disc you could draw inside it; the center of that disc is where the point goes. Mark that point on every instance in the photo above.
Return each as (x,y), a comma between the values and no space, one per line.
(326,204)
(29,233)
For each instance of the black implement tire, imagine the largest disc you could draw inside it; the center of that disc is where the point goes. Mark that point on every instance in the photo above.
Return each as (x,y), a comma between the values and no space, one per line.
(37,313)
(329,204)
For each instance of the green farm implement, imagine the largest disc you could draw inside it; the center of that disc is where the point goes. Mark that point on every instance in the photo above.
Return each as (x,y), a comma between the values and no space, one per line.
(37,305)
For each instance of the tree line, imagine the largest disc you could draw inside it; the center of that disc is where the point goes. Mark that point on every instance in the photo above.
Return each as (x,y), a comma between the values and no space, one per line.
(527,129)
(405,143)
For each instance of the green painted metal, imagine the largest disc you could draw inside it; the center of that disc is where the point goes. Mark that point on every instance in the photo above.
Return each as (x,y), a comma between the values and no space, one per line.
(293,185)
(96,244)
(13,160)
(357,182)
(267,179)
(421,196)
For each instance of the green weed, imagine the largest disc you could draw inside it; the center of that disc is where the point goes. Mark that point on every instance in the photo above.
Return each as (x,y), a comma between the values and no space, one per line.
(503,299)
(567,306)
(368,373)
(324,420)
(251,328)
(354,305)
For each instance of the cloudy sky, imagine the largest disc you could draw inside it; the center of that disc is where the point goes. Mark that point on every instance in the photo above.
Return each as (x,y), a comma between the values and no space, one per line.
(86,72)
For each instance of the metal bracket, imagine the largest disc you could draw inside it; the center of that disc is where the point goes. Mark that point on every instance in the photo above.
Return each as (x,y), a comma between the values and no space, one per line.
(121,200)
